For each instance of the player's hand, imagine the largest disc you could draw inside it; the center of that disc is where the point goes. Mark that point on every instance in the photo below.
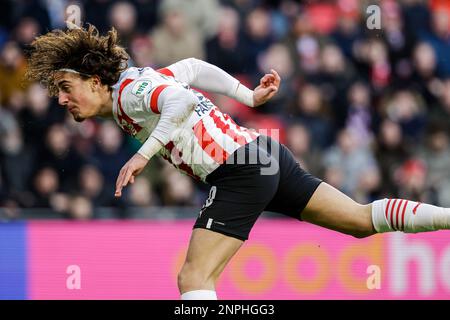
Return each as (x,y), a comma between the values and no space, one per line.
(268,87)
(131,169)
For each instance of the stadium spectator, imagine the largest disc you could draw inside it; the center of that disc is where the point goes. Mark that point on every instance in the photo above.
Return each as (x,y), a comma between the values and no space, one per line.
(407,109)
(298,140)
(379,65)
(80,208)
(91,186)
(411,178)
(174,39)
(258,37)
(123,17)
(439,38)
(141,51)
(141,193)
(304,45)
(17,161)
(38,115)
(12,72)
(440,111)
(201,15)
(359,115)
(391,152)
(178,190)
(109,152)
(46,184)
(352,160)
(335,75)
(424,78)
(221,49)
(313,112)
(60,155)
(399,39)
(348,32)
(38,10)
(26,30)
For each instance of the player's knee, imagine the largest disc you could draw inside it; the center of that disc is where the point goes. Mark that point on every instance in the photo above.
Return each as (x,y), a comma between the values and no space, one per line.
(192,278)
(364,226)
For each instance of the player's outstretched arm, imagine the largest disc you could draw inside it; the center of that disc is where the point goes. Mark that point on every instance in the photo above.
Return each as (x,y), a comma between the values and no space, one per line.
(204,76)
(210,78)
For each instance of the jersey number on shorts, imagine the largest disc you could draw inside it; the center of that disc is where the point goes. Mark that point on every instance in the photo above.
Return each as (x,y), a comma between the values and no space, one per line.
(209,201)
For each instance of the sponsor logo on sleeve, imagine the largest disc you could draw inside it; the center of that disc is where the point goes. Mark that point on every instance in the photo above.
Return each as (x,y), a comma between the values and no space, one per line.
(141,87)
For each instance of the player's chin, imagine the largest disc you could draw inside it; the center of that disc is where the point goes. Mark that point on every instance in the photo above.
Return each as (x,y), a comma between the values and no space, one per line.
(78,118)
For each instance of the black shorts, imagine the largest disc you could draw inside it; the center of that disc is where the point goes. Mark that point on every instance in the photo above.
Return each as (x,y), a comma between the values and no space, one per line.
(269,179)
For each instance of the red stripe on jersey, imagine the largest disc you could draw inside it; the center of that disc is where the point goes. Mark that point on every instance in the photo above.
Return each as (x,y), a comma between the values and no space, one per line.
(403,215)
(225,128)
(392,214)
(182,166)
(166,71)
(397,215)
(208,144)
(228,118)
(121,115)
(155,96)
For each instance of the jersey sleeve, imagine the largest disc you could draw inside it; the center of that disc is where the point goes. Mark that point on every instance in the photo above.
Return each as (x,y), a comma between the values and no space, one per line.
(175,105)
(151,99)
(210,78)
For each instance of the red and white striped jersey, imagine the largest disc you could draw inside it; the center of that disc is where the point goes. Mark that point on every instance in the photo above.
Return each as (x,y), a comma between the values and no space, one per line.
(200,142)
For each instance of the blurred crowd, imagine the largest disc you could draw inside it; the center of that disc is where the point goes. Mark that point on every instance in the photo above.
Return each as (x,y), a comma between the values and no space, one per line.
(367,110)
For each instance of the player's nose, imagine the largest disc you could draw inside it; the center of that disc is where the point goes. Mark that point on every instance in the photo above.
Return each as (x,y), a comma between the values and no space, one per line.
(63,99)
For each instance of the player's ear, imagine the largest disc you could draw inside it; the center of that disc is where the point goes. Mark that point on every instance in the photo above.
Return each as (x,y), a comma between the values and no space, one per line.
(95,82)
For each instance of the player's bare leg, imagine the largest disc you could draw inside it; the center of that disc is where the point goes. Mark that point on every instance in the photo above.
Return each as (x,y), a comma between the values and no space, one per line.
(208,254)
(330,208)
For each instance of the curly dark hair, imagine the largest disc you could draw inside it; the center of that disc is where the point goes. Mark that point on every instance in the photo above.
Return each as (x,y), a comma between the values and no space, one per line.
(80,49)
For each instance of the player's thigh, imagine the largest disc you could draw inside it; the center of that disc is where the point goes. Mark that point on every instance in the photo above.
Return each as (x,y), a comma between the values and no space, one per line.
(296,186)
(332,209)
(210,251)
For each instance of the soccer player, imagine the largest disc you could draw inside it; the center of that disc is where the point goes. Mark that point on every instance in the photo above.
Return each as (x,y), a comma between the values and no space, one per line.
(248,171)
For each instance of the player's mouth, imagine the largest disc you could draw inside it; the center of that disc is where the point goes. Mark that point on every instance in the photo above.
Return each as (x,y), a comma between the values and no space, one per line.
(72,109)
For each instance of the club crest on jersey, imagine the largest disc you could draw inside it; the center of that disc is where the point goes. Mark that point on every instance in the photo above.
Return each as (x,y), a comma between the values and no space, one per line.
(141,86)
